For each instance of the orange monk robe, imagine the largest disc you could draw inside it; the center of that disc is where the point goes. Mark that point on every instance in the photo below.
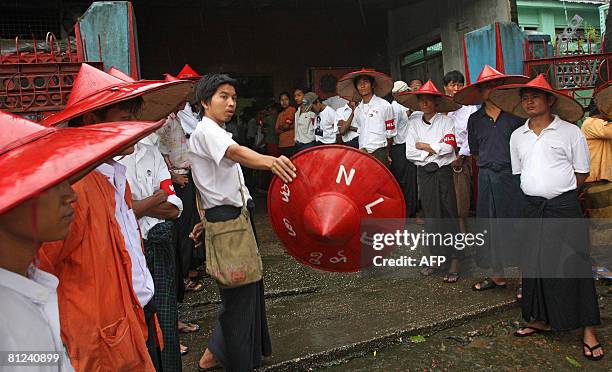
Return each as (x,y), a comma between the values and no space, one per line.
(102,323)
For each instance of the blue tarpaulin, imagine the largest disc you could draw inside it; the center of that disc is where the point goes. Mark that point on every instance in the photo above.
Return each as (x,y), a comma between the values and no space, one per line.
(481,49)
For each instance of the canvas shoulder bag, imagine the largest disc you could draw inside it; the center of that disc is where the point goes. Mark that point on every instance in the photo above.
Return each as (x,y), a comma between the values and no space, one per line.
(232,255)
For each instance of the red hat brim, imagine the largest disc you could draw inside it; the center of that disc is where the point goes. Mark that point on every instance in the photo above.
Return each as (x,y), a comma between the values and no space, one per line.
(508,98)
(411,100)
(346,88)
(470,95)
(318,216)
(59,154)
(160,99)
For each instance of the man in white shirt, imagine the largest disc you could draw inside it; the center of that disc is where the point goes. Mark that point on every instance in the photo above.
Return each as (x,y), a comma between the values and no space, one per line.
(305,122)
(374,118)
(430,144)
(150,181)
(344,120)
(552,157)
(325,125)
(240,338)
(173,144)
(404,171)
(462,166)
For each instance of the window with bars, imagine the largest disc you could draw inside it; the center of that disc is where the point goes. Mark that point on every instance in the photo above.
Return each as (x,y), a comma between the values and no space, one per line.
(424,53)
(24,23)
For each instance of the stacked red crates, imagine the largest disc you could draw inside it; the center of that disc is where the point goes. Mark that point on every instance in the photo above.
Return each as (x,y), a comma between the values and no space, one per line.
(37,83)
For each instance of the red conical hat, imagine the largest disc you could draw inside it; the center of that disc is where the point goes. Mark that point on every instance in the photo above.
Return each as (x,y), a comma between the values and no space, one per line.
(508,98)
(318,216)
(113,71)
(470,95)
(603,99)
(94,89)
(188,73)
(34,158)
(346,88)
(411,100)
(168,77)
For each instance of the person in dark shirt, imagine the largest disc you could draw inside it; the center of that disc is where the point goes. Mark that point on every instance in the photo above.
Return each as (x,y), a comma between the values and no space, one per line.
(489,131)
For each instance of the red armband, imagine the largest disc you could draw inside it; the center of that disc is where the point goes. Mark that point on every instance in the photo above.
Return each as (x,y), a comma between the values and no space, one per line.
(167,186)
(390,124)
(449,139)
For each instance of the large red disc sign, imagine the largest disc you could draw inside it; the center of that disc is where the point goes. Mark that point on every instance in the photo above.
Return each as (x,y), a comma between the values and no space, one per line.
(318,216)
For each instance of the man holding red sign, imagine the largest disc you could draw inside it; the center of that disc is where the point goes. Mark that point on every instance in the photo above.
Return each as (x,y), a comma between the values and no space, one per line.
(431,144)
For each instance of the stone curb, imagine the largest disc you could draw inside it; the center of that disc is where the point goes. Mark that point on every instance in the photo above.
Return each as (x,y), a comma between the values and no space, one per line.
(328,357)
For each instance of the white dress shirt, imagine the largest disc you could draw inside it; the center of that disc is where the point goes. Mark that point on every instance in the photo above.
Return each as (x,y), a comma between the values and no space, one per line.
(440,135)
(217,178)
(146,170)
(304,126)
(375,122)
(173,142)
(326,120)
(335,102)
(30,317)
(141,277)
(461,117)
(343,113)
(547,163)
(188,118)
(400,116)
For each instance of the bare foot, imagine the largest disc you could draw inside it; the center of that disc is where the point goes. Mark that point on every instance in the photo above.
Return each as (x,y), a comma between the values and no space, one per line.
(453,272)
(590,339)
(533,327)
(208,360)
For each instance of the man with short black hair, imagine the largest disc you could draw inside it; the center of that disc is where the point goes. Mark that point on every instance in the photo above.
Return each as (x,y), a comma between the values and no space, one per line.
(240,338)
(415,84)
(373,116)
(304,119)
(349,134)
(326,125)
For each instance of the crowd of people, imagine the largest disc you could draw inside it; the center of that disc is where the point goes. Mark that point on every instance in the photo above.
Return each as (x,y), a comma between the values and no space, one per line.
(114,202)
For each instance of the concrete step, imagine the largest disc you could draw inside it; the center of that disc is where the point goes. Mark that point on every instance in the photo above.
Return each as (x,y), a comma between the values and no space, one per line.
(316,317)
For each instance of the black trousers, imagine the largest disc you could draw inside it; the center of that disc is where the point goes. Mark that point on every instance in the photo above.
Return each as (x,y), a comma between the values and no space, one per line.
(405,173)
(187,256)
(439,203)
(241,337)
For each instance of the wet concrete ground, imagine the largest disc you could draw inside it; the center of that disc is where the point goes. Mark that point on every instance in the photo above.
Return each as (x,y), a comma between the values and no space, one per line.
(487,344)
(337,320)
